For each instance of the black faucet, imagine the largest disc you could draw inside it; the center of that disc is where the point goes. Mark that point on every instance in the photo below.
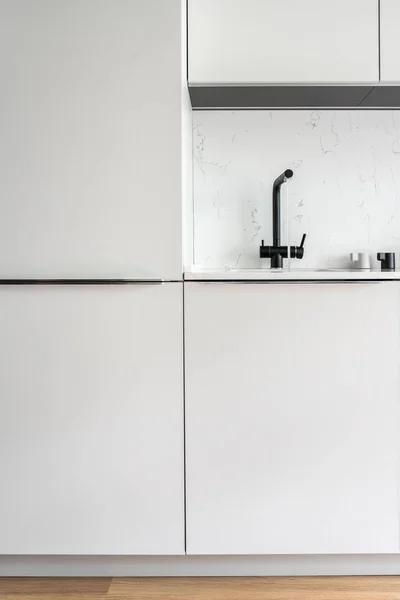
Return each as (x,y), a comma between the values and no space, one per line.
(276,252)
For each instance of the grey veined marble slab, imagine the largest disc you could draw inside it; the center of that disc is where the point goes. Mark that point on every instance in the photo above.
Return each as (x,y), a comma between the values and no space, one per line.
(345,193)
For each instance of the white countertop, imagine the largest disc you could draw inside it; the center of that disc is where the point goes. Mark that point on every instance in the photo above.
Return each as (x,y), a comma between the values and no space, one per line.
(200,274)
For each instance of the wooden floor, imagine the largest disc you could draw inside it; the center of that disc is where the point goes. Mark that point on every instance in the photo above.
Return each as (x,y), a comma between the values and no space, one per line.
(195,588)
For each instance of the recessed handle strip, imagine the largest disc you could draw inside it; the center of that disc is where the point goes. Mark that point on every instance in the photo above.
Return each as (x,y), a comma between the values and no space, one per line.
(96,281)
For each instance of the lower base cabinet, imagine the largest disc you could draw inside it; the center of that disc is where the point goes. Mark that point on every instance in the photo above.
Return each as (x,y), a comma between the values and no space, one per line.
(91,420)
(292,418)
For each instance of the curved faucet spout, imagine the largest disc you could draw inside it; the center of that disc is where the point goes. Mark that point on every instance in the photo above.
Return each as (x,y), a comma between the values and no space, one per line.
(283,177)
(276,207)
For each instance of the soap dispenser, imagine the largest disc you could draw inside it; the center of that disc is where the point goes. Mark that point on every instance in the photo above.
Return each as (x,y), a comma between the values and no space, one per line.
(388,261)
(360,260)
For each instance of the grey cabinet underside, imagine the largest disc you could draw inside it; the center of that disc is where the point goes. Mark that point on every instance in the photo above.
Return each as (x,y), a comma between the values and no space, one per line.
(294,96)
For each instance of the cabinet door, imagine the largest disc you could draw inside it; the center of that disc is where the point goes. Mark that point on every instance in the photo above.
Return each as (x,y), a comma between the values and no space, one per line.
(262,41)
(292,411)
(91,420)
(390,41)
(90,144)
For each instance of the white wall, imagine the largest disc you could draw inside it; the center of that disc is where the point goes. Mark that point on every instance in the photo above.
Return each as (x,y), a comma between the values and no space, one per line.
(345,193)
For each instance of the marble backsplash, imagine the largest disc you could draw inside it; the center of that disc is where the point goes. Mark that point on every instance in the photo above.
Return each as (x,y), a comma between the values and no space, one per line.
(345,193)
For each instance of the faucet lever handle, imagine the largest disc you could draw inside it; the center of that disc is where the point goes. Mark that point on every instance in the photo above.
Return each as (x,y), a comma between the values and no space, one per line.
(298,251)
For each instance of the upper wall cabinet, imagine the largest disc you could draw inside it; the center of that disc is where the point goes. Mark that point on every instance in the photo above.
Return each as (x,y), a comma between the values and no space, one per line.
(90,151)
(390,40)
(270,41)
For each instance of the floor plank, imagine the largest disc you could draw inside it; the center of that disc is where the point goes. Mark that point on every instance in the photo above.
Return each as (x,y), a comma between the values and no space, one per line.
(53,587)
(257,588)
(202,588)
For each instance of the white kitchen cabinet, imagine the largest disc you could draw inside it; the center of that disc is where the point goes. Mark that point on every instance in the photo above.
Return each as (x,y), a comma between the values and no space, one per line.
(390,42)
(90,144)
(91,420)
(292,418)
(264,41)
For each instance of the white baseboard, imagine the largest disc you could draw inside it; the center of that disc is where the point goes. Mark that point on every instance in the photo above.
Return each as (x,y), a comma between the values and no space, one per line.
(141,566)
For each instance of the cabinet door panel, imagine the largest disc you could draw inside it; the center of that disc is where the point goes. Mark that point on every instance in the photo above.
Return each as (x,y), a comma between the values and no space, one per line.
(390,42)
(263,41)
(292,409)
(91,420)
(90,151)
